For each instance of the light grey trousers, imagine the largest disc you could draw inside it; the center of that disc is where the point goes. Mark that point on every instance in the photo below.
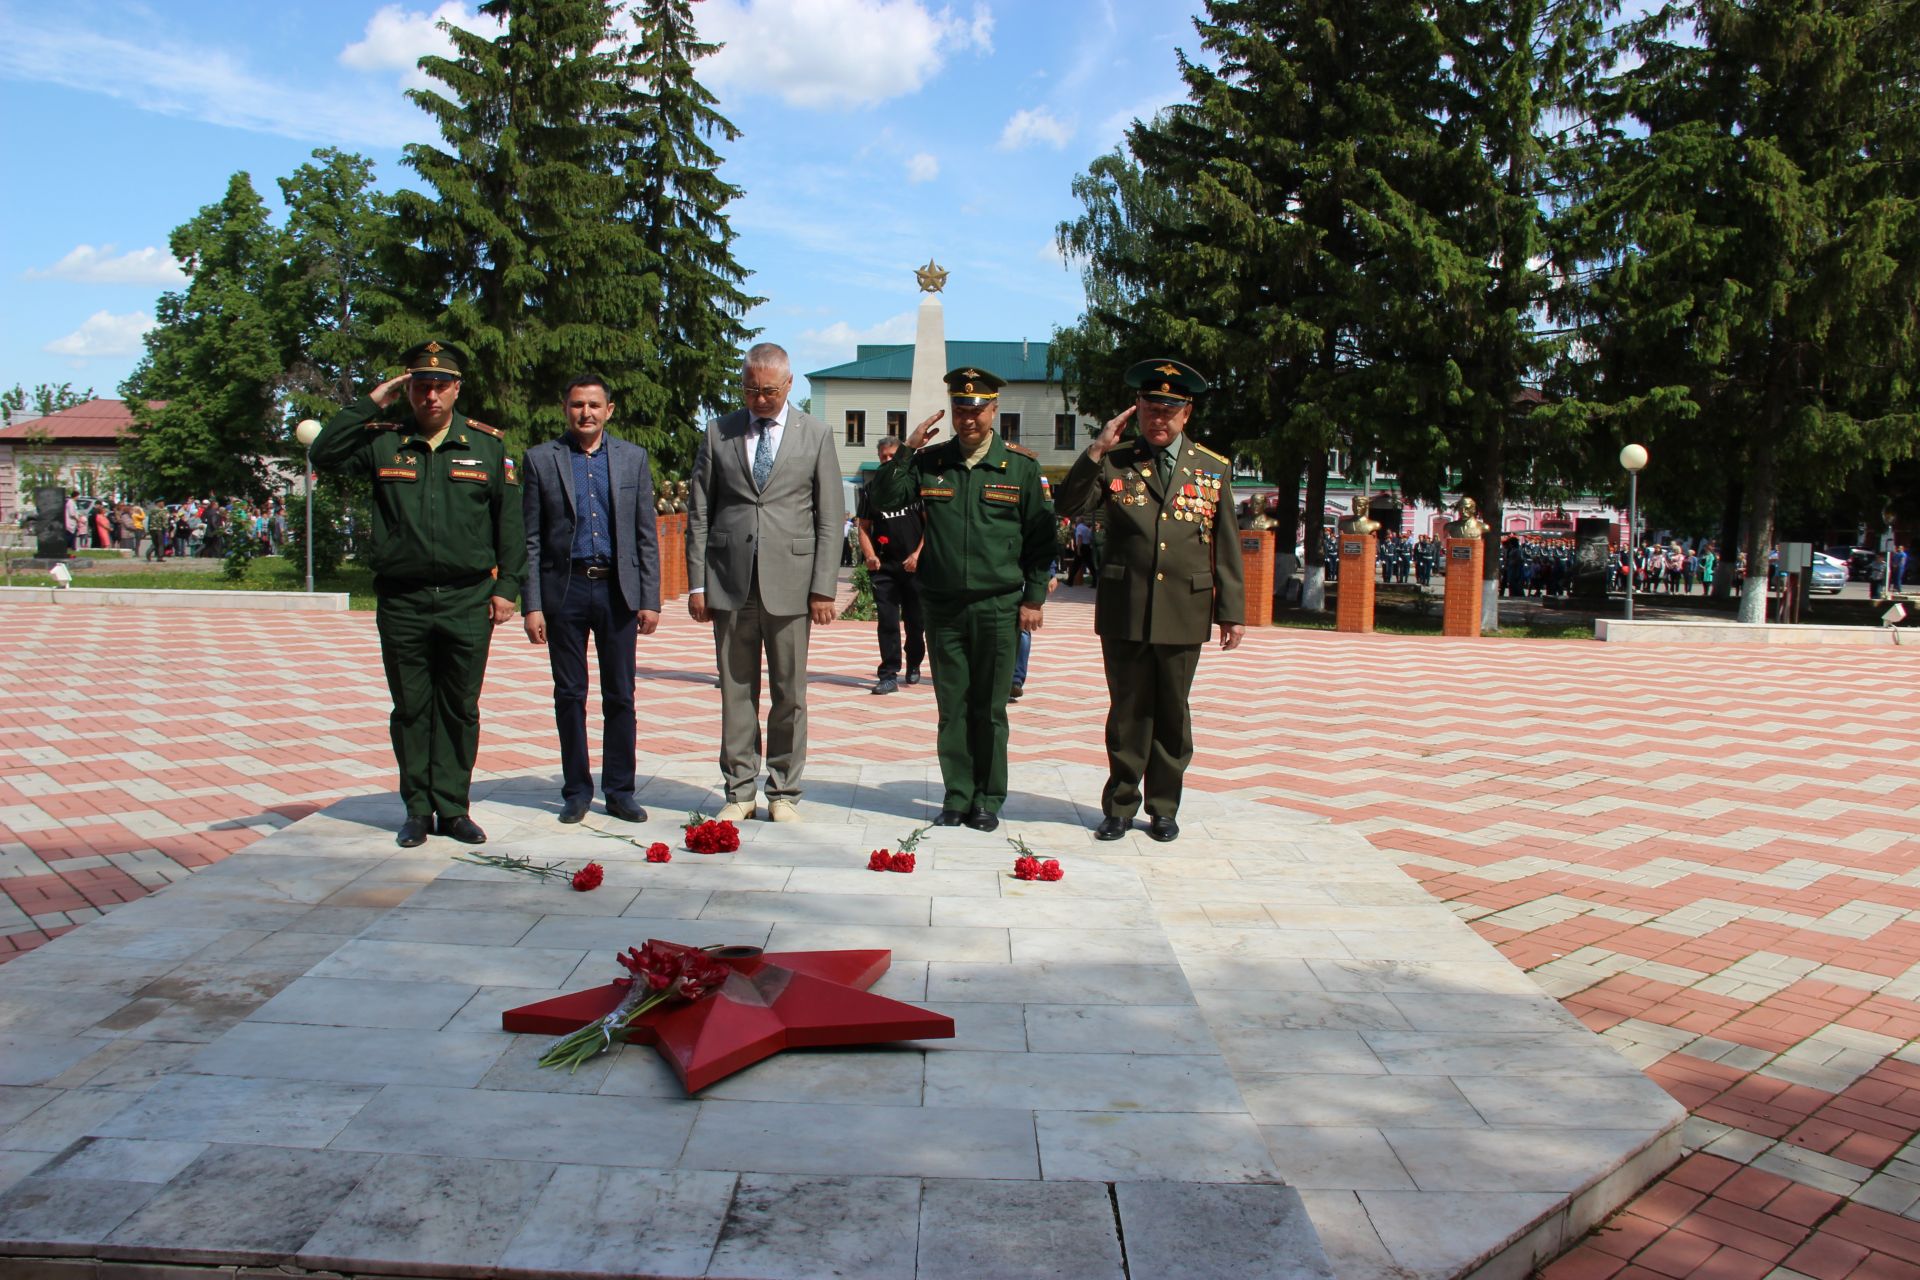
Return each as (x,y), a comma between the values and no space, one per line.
(740,638)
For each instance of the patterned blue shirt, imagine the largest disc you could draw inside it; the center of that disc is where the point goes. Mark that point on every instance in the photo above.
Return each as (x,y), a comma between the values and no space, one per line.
(592,502)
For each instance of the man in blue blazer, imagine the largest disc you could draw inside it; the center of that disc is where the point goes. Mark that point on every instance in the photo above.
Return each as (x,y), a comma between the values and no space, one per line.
(593,568)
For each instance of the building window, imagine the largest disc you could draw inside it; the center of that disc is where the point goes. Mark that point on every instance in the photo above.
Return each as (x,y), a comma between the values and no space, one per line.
(897,423)
(1063,431)
(1010,428)
(856,426)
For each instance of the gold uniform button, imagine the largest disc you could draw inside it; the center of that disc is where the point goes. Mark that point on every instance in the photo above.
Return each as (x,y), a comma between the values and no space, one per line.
(1163,546)
(1159,577)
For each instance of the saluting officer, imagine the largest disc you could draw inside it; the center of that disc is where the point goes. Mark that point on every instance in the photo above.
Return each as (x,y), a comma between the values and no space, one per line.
(1171,573)
(448,556)
(984,566)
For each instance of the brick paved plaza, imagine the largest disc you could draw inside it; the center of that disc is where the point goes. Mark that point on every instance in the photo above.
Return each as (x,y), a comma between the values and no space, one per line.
(1708,855)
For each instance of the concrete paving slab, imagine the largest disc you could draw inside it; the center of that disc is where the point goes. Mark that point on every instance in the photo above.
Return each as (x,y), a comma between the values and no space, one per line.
(1168,1032)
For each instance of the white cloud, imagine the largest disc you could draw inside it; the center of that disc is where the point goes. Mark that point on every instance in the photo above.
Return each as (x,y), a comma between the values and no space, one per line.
(835,53)
(87,265)
(397,38)
(922,167)
(198,83)
(836,342)
(104,334)
(1037,125)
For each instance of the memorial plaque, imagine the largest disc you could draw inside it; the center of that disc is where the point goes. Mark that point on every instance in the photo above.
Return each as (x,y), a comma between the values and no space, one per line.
(1252,544)
(1350,547)
(1460,553)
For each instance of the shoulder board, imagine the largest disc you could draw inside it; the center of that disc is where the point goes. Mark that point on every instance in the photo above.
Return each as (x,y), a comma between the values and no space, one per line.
(383,426)
(1023,451)
(1200,448)
(478,425)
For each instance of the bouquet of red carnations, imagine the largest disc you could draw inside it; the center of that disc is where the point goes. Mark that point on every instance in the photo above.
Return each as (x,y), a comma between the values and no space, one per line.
(656,973)
(704,835)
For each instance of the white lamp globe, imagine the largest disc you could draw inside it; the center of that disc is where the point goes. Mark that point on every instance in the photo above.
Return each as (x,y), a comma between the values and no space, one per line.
(1633,457)
(307,432)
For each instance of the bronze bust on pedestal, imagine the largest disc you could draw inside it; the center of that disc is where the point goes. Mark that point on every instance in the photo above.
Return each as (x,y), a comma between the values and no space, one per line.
(1469,525)
(1358,521)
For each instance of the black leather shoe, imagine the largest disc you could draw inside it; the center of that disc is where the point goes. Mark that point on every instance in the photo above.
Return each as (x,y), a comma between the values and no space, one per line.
(950,818)
(913,675)
(626,812)
(981,820)
(571,811)
(1112,827)
(463,829)
(1163,829)
(1013,694)
(886,684)
(413,832)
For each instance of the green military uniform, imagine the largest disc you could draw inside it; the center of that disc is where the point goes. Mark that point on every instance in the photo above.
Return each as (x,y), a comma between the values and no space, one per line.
(447,535)
(1170,571)
(989,542)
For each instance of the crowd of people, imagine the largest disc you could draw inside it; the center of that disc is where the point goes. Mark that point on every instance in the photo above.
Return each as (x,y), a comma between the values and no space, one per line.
(195,527)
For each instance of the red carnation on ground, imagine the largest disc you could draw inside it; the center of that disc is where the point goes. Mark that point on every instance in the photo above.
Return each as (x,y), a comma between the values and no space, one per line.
(704,835)
(589,877)
(879,860)
(658,852)
(1027,866)
(901,862)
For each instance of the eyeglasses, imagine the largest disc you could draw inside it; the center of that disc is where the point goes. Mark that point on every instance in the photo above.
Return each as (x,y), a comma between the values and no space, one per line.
(765,391)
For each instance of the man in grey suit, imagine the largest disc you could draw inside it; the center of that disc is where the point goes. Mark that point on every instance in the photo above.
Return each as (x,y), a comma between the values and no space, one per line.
(593,568)
(765,523)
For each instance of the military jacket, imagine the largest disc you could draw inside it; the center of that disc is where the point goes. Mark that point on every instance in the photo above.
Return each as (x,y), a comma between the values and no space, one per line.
(988,530)
(1171,563)
(440,516)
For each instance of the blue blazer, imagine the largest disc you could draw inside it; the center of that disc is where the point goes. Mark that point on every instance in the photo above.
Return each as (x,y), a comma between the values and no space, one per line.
(547,500)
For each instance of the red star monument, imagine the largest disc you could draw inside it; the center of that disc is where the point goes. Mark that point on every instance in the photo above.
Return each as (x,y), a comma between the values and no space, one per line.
(771,1001)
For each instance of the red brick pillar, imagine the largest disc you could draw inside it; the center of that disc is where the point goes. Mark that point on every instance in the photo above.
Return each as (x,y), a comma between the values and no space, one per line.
(1355,609)
(1256,561)
(1461,616)
(673,556)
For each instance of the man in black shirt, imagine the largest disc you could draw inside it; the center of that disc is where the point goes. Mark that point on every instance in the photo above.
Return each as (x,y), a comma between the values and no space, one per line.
(890,546)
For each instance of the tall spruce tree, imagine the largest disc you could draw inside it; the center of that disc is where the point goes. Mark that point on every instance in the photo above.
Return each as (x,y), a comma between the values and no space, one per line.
(1754,220)
(214,358)
(1518,78)
(575,221)
(1298,261)
(521,211)
(676,202)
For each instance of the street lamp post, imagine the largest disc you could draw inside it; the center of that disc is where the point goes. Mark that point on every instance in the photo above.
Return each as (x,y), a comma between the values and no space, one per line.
(1633,458)
(306,433)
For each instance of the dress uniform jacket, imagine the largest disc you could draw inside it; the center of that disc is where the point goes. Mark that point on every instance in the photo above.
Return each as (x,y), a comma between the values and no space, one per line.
(988,530)
(441,517)
(1171,567)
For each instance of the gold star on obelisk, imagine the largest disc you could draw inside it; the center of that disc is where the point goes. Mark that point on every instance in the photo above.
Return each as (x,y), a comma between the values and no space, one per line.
(932,277)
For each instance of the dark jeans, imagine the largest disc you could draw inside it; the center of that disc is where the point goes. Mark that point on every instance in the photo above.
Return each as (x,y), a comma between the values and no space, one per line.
(896,598)
(593,607)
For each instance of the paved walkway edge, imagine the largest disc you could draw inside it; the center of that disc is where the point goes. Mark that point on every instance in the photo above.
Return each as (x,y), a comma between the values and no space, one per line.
(1773,634)
(185,598)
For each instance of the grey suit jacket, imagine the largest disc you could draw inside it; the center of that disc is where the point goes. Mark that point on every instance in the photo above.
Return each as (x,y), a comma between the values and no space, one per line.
(547,500)
(791,532)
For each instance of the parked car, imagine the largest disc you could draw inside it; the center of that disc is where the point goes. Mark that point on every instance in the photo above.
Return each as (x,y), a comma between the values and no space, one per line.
(1829,574)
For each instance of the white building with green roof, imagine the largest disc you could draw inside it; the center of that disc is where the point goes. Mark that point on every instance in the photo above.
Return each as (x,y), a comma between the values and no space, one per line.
(865,400)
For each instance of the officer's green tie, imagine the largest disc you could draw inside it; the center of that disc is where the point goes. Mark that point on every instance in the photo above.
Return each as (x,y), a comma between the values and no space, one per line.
(1166,469)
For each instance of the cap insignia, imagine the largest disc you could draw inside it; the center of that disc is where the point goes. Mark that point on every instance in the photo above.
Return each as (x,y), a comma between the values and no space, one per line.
(433,347)
(1167,369)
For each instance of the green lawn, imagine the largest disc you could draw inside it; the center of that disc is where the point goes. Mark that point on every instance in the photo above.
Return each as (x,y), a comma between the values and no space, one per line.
(268,573)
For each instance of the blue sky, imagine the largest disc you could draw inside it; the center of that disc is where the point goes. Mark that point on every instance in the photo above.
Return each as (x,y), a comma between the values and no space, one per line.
(877,133)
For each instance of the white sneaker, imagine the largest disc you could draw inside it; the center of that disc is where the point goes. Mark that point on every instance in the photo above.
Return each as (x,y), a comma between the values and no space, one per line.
(782,810)
(734,811)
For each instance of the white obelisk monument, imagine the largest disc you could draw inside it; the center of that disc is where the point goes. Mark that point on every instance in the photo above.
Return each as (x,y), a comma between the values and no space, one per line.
(927,393)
